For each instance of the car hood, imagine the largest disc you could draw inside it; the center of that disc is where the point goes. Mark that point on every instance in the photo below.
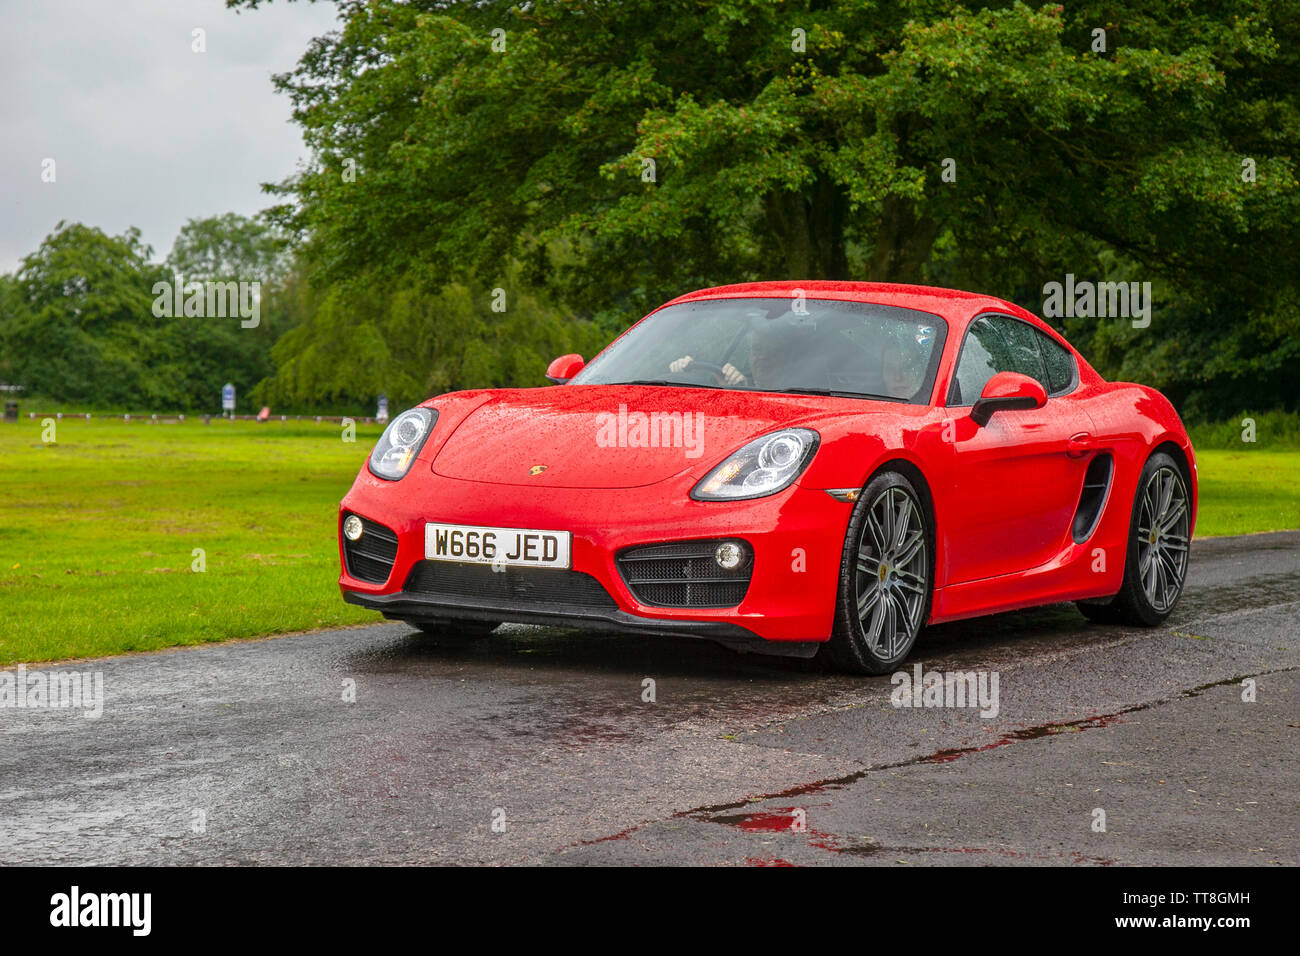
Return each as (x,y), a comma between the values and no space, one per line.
(614,436)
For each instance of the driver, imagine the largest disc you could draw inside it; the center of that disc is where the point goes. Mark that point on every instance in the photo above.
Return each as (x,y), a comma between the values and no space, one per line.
(896,373)
(768,344)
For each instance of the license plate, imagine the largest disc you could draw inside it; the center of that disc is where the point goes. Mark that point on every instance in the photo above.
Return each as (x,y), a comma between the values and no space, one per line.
(499,547)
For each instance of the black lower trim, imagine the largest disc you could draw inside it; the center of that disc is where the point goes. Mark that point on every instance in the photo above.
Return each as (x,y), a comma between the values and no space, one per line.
(405,606)
(453,582)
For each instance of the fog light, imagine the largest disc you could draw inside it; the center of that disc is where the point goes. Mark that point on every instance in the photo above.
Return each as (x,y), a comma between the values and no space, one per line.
(352,527)
(729,556)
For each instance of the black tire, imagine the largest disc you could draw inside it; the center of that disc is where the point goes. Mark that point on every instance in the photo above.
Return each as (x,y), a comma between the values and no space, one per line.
(889,553)
(1156,555)
(445,630)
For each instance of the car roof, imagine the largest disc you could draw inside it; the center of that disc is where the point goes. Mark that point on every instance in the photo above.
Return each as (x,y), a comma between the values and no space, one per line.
(953,305)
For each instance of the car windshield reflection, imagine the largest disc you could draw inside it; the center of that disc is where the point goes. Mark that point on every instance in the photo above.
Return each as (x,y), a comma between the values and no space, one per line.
(792,346)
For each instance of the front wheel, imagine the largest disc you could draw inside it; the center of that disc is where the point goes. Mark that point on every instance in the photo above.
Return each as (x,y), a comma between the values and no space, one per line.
(1155,559)
(886,576)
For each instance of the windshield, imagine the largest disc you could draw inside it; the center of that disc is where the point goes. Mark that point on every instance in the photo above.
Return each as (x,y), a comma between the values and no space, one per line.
(803,346)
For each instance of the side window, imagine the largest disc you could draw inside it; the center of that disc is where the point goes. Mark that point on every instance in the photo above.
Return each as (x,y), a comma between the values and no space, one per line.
(1061,370)
(1022,349)
(978,363)
(995,344)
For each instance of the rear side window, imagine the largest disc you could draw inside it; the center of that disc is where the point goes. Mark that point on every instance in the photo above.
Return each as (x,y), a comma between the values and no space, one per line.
(1061,368)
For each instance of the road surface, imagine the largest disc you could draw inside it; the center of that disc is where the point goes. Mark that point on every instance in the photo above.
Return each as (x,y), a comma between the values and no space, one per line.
(1110,746)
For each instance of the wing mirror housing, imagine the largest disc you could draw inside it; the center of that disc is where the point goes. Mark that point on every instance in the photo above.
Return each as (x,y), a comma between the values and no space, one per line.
(1006,391)
(564,368)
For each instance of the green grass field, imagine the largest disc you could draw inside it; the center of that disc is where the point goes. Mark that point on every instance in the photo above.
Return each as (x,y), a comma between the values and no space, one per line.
(1247,491)
(98,530)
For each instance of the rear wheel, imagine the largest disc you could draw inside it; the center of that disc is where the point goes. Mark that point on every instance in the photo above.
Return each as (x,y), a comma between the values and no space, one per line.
(1155,560)
(885,578)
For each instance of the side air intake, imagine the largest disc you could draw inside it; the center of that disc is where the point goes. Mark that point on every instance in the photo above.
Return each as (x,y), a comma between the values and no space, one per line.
(1096,486)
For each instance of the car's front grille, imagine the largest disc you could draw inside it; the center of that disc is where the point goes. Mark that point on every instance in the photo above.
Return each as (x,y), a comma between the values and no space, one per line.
(533,586)
(683,574)
(370,558)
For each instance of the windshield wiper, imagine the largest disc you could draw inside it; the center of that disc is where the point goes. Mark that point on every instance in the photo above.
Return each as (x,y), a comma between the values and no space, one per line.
(664,381)
(833,393)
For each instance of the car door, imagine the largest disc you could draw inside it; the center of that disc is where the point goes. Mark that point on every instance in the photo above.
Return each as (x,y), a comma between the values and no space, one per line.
(1015,482)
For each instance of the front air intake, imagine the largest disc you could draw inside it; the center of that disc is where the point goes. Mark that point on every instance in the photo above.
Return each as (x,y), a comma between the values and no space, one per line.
(370,558)
(685,574)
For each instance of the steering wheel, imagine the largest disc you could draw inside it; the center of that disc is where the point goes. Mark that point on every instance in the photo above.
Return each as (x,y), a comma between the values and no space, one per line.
(714,370)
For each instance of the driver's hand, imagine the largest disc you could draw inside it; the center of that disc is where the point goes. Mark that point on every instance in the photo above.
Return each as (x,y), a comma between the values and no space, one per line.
(680,364)
(731,375)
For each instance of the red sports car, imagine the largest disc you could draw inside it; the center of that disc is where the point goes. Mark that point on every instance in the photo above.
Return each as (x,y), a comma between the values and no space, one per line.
(784,468)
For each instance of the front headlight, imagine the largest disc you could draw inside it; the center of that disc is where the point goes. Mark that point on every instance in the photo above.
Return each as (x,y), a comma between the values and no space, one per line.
(763,467)
(401,442)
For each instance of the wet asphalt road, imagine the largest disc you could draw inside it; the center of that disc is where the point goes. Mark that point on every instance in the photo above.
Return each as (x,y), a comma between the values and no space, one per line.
(739,759)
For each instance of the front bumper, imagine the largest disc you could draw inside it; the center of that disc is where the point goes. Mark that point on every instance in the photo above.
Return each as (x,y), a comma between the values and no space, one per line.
(796,538)
(404,606)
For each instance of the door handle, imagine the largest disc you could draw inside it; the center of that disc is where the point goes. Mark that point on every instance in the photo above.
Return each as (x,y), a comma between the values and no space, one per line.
(1076,446)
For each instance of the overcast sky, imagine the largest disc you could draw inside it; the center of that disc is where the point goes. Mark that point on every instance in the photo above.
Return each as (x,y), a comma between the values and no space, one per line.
(144,131)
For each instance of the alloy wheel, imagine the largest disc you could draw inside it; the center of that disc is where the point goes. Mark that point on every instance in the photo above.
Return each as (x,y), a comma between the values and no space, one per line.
(1162,538)
(892,572)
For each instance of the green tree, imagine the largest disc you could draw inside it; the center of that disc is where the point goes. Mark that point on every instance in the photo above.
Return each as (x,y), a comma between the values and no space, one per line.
(231,246)
(360,342)
(82,329)
(825,162)
(78,324)
(214,350)
(10,303)
(626,152)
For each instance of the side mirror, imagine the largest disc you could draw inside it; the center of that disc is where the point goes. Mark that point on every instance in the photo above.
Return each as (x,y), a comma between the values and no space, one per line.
(1006,391)
(564,368)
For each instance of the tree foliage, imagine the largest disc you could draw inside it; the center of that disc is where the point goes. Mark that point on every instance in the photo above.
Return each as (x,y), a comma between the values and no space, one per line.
(231,246)
(78,324)
(811,139)
(594,158)
(415,342)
